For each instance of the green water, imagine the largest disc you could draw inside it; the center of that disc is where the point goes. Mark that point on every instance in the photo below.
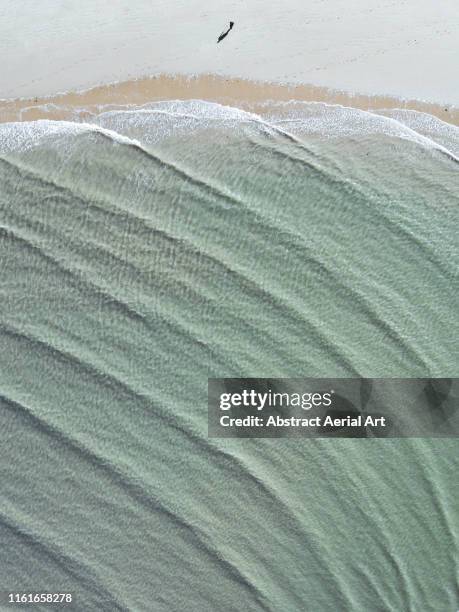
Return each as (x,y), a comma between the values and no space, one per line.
(156,247)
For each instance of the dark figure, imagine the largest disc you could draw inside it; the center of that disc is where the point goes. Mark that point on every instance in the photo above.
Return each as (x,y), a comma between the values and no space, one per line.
(225,34)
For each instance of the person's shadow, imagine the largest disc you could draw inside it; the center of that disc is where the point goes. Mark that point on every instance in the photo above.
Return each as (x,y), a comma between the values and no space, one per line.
(226,32)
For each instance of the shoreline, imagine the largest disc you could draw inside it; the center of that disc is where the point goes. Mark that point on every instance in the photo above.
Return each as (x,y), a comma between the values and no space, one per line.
(243,93)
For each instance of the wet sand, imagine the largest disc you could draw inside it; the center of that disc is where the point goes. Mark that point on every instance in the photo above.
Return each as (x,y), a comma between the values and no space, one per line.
(250,95)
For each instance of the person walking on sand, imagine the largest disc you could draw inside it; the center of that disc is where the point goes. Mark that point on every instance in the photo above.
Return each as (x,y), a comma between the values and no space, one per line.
(226,32)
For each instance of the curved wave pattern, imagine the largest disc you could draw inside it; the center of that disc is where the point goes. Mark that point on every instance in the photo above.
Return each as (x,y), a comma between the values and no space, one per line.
(158,246)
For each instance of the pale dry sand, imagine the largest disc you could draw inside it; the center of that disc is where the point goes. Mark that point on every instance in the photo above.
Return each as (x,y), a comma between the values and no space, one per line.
(250,95)
(401,48)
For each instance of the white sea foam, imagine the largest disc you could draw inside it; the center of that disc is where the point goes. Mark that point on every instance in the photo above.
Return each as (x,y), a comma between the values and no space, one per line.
(156,121)
(427,125)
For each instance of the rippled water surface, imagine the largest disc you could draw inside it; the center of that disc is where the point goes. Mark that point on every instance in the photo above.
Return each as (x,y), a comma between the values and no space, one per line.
(151,248)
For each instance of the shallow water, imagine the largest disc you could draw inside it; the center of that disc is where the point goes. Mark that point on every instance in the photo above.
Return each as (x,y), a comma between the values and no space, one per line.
(154,247)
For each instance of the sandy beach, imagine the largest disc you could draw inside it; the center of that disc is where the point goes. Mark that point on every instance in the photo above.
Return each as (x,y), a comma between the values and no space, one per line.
(250,95)
(404,49)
